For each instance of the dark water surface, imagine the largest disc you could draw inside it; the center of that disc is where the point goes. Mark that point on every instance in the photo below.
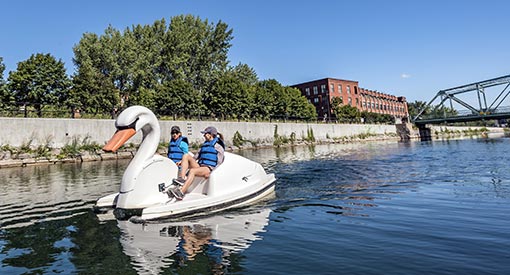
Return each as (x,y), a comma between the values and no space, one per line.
(441,207)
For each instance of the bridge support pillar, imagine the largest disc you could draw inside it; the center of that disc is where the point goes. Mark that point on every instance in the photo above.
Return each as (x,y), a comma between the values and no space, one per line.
(425,133)
(404,131)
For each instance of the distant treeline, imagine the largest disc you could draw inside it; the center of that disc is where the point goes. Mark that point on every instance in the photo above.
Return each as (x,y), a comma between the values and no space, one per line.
(180,69)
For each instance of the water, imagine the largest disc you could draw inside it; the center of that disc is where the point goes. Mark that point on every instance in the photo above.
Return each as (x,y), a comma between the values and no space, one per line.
(377,208)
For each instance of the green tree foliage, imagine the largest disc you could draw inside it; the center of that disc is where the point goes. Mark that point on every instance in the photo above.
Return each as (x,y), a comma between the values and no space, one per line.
(245,73)
(274,100)
(265,100)
(93,89)
(196,50)
(415,107)
(126,68)
(376,118)
(336,104)
(429,110)
(298,105)
(5,96)
(348,113)
(344,112)
(178,98)
(39,81)
(229,97)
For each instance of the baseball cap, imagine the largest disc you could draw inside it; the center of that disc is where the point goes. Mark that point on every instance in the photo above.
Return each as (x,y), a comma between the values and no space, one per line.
(211,130)
(175,129)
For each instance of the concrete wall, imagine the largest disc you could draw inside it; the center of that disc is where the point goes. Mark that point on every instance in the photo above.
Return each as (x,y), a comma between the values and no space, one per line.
(59,132)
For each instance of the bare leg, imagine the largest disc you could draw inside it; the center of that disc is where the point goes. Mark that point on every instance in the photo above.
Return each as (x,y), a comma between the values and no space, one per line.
(197,171)
(187,162)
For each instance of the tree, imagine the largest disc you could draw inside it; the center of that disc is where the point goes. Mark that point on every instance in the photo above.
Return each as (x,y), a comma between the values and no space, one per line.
(39,81)
(178,98)
(274,100)
(264,102)
(196,51)
(245,74)
(229,97)
(429,110)
(128,67)
(5,95)
(93,87)
(336,104)
(415,107)
(348,113)
(298,105)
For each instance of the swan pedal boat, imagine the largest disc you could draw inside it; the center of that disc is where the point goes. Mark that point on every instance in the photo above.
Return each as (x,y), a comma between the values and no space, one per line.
(237,182)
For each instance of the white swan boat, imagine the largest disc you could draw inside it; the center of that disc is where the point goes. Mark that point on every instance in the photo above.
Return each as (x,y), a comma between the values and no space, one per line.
(236,182)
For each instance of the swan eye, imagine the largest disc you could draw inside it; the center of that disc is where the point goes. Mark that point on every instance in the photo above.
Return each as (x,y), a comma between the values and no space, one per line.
(130,126)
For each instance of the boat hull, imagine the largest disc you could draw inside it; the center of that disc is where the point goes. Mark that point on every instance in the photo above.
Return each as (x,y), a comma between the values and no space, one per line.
(198,205)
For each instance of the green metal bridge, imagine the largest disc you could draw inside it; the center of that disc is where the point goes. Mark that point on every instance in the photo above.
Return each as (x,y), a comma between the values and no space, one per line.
(484,100)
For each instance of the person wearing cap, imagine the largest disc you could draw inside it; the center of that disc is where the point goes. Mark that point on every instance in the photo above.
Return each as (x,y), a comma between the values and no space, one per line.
(178,145)
(209,157)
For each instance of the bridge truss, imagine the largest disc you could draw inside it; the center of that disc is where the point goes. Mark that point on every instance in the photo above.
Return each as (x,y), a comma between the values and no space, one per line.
(471,102)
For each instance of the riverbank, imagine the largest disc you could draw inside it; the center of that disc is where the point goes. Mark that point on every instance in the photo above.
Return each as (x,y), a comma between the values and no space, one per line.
(34,141)
(22,157)
(39,141)
(29,155)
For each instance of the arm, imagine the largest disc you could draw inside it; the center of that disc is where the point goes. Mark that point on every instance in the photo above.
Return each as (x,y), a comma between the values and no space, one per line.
(184,147)
(221,153)
(168,149)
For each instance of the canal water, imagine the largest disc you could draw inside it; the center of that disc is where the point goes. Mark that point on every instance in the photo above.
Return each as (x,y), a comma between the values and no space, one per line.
(438,207)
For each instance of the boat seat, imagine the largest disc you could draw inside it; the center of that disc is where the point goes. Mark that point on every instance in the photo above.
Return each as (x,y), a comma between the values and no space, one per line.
(199,186)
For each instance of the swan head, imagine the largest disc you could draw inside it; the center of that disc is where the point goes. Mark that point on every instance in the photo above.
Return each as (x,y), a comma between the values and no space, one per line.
(130,121)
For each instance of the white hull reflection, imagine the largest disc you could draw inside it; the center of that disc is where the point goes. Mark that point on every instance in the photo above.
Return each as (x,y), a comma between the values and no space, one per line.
(153,247)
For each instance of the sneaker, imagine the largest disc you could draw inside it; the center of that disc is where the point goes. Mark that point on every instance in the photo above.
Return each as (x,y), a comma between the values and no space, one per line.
(176,191)
(178,181)
(168,192)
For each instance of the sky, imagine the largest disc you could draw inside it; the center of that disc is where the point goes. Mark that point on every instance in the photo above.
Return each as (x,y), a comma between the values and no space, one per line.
(404,48)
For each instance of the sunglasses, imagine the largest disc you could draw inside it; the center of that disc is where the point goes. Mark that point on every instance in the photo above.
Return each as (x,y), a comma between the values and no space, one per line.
(175,133)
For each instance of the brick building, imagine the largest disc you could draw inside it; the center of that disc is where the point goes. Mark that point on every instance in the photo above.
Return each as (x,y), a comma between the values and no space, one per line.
(321,92)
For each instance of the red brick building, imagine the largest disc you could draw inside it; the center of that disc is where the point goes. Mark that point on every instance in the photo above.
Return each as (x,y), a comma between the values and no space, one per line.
(321,92)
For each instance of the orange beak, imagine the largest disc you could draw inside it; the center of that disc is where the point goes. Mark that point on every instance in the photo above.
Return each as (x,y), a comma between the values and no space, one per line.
(119,138)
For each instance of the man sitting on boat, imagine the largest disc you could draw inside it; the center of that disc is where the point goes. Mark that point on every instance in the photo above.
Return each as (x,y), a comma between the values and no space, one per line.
(209,157)
(178,145)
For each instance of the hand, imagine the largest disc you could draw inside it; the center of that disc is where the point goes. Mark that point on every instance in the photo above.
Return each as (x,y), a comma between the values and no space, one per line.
(178,163)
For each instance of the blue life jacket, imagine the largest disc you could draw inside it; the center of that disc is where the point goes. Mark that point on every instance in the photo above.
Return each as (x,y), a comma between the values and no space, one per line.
(175,152)
(208,155)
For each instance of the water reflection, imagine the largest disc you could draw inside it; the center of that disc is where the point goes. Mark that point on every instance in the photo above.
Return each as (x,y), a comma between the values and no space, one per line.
(43,193)
(205,243)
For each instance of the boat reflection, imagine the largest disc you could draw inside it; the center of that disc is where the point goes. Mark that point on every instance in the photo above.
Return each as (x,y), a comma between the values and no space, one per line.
(154,247)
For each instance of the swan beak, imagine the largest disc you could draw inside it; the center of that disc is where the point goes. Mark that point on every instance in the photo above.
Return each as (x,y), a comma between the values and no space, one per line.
(119,138)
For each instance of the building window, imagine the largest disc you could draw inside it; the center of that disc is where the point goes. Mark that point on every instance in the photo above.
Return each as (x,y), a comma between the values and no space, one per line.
(350,100)
(323,88)
(332,88)
(316,100)
(348,89)
(307,91)
(340,88)
(315,92)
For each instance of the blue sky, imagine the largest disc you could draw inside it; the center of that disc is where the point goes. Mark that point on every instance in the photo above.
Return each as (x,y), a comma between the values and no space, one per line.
(409,48)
